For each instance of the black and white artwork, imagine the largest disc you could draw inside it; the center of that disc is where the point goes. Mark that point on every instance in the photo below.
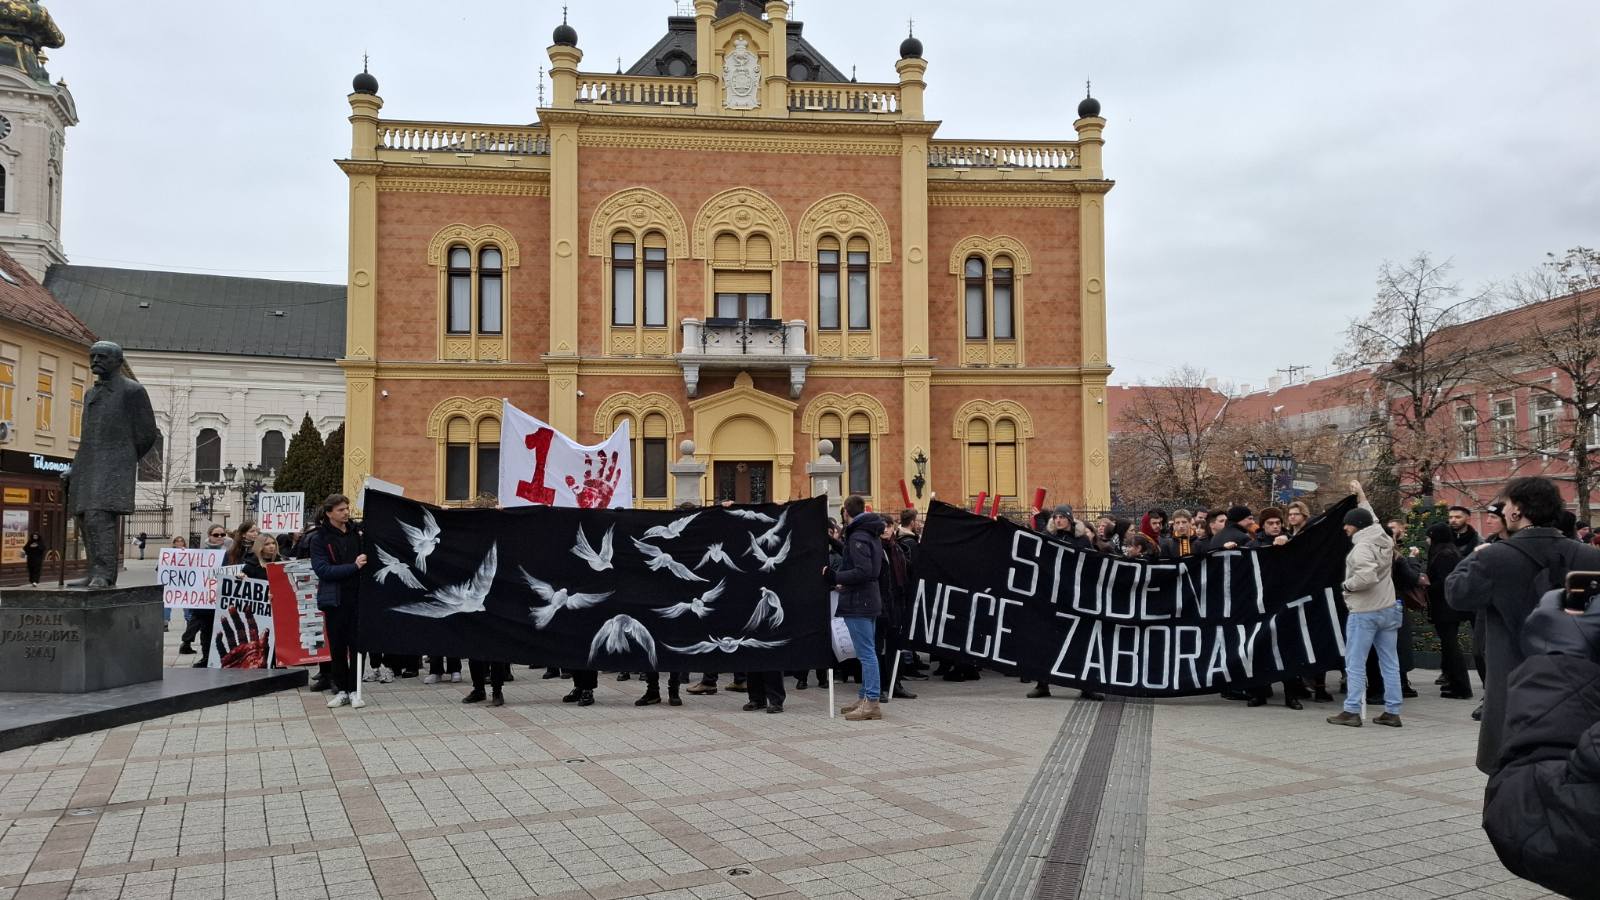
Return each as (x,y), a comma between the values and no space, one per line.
(720,588)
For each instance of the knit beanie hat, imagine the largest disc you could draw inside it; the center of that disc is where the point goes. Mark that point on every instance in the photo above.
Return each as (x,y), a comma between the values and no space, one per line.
(1359,518)
(1237,514)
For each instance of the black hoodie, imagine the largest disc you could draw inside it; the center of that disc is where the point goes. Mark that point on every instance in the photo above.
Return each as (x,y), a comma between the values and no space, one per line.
(863,563)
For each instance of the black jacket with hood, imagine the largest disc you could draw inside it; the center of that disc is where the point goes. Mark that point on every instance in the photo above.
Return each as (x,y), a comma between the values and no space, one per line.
(858,574)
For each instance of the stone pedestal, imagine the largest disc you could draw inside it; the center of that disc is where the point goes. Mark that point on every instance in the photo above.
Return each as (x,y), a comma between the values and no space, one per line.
(73,641)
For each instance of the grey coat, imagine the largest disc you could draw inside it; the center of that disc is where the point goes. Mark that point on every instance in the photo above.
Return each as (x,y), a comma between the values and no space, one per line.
(1503,582)
(118,430)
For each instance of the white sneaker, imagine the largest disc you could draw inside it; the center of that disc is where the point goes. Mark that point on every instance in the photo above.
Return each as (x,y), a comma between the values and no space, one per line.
(339,699)
(370,675)
(455,677)
(430,678)
(356,702)
(385,675)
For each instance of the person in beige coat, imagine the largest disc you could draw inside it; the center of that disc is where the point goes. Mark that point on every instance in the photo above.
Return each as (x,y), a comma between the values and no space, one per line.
(1375,617)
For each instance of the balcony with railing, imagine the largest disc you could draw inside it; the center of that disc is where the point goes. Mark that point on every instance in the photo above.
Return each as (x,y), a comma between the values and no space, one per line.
(750,344)
(1003,154)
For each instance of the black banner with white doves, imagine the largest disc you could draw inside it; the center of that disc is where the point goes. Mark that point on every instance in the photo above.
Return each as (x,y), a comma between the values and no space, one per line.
(1019,601)
(729,589)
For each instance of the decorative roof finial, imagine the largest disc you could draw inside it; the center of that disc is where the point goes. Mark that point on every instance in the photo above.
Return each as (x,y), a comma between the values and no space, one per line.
(364,61)
(911,28)
(541,86)
(1088,107)
(852,74)
(619,65)
(563,14)
(1088,88)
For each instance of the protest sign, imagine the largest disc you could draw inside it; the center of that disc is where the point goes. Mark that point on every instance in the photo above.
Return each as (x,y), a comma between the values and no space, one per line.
(295,616)
(1019,601)
(241,631)
(188,578)
(721,589)
(283,513)
(540,466)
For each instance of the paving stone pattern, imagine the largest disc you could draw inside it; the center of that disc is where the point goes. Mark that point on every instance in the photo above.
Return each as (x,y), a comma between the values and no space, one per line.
(418,796)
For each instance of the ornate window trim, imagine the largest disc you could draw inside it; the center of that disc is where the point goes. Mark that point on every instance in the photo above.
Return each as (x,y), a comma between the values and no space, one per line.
(991,413)
(474,411)
(844,216)
(990,351)
(474,346)
(844,406)
(637,210)
(743,211)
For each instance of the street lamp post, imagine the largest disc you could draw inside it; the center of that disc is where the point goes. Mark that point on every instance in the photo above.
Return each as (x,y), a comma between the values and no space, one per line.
(249,483)
(1269,463)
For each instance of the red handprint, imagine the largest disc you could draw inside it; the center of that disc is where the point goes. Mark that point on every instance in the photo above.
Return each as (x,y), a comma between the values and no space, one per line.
(599,483)
(240,644)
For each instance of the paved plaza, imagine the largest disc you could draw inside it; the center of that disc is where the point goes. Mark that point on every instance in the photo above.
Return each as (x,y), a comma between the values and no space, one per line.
(969,791)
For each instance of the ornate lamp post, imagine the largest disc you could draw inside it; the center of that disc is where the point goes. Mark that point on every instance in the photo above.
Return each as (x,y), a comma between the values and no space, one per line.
(249,482)
(1269,463)
(919,480)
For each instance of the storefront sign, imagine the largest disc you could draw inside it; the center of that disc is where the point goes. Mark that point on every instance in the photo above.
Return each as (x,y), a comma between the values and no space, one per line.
(17,496)
(19,463)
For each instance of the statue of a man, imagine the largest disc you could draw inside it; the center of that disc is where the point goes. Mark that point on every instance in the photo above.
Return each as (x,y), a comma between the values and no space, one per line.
(118,430)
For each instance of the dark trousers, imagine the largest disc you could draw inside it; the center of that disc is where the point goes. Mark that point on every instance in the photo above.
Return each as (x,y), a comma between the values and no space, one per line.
(35,569)
(444,665)
(1264,691)
(200,627)
(652,681)
(765,688)
(493,673)
(1451,659)
(709,678)
(341,624)
(585,679)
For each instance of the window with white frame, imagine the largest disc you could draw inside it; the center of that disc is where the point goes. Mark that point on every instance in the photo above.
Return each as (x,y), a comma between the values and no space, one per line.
(1467,421)
(1546,411)
(1505,426)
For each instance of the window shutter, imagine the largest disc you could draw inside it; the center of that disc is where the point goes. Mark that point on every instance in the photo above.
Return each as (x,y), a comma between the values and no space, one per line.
(758,248)
(489,430)
(459,431)
(860,423)
(858,245)
(655,240)
(1005,458)
(831,428)
(977,457)
(726,248)
(743,282)
(655,426)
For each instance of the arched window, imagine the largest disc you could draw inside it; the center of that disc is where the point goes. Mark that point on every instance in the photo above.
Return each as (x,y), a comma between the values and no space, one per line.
(977,458)
(208,456)
(993,463)
(852,446)
(828,283)
(1004,320)
(491,279)
(650,438)
(153,465)
(471,458)
(858,259)
(460,288)
(273,448)
(976,308)
(742,276)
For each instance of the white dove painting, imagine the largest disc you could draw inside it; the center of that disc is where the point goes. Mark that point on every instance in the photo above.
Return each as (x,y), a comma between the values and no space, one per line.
(618,635)
(769,539)
(715,554)
(598,560)
(700,606)
(672,529)
(556,600)
(751,515)
(769,609)
(466,597)
(769,563)
(423,540)
(391,565)
(726,645)
(659,559)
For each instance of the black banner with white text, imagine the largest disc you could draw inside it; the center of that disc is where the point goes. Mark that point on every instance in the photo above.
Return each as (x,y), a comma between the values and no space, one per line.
(1011,599)
(728,589)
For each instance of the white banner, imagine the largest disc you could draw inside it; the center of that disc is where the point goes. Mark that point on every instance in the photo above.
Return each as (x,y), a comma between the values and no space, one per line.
(188,578)
(241,631)
(542,466)
(281,513)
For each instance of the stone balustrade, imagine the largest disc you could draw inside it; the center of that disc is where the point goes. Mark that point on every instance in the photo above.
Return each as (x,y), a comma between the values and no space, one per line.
(1003,154)
(744,344)
(635,90)
(447,137)
(854,99)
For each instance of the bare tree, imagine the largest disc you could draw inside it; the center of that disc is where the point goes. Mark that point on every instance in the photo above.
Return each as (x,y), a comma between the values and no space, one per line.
(1554,353)
(166,468)
(1417,365)
(1168,434)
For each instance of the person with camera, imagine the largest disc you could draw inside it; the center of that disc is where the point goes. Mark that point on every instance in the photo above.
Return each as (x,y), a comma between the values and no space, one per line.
(1541,810)
(1505,580)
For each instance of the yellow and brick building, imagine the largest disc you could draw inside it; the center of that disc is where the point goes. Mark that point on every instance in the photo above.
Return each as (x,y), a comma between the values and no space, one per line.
(731,244)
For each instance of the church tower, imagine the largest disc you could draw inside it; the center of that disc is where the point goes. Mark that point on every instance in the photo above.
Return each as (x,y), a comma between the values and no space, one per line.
(34,117)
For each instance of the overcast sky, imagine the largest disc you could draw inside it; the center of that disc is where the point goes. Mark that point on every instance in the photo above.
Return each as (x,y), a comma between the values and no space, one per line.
(1268,156)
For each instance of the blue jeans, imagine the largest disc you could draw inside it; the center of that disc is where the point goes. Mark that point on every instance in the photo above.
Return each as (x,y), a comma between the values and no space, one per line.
(1363,632)
(866,647)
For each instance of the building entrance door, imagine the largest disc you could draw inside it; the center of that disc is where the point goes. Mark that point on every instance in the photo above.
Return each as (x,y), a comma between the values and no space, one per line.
(743,482)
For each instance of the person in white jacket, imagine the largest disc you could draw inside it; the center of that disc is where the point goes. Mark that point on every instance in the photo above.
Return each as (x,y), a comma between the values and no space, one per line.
(1375,617)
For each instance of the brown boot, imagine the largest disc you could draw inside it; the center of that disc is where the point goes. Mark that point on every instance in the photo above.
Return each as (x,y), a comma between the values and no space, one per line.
(867,711)
(1345,718)
(847,710)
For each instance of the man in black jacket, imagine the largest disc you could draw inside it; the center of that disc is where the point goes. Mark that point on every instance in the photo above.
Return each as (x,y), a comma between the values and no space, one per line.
(1505,580)
(1466,537)
(1230,528)
(860,602)
(1542,808)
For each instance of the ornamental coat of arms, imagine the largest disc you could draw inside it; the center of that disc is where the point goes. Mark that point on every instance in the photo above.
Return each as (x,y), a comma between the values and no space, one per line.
(741,77)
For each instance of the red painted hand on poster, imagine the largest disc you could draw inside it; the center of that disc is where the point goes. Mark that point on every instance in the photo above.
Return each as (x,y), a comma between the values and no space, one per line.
(535,491)
(599,483)
(240,644)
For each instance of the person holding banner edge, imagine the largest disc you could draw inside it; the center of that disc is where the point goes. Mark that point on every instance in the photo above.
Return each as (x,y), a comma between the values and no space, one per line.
(859,601)
(337,559)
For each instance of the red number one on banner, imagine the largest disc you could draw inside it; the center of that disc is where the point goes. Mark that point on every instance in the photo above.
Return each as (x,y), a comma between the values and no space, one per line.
(535,491)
